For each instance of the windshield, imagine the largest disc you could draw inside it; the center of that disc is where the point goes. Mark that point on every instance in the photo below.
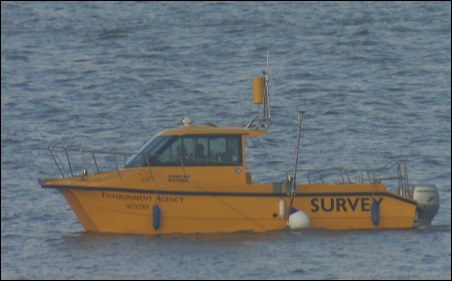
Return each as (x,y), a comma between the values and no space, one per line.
(147,151)
(189,150)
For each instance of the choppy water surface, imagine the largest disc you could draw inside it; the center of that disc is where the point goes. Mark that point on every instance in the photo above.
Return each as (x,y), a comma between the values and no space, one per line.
(374,78)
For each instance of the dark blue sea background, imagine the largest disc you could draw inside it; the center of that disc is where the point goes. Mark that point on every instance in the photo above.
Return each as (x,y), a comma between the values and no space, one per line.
(373,77)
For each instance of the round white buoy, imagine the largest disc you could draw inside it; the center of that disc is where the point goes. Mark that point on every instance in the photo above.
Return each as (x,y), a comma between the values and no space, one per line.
(282,209)
(298,220)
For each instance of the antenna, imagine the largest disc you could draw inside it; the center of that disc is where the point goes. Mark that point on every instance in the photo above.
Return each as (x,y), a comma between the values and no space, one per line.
(295,167)
(267,61)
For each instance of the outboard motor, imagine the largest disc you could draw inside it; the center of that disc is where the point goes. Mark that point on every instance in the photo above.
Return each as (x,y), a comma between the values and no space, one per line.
(427,197)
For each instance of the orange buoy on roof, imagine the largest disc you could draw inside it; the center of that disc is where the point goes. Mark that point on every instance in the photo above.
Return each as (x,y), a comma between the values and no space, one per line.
(258,90)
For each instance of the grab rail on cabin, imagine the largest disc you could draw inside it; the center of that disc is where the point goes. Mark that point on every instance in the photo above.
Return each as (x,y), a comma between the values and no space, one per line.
(394,172)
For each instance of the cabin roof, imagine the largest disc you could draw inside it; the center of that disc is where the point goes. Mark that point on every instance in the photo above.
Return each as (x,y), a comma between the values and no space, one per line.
(212,130)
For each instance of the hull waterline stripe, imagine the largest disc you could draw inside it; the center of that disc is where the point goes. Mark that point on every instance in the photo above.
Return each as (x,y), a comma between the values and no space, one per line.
(232,194)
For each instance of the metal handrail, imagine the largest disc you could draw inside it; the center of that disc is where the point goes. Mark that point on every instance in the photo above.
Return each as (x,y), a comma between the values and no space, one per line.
(345,176)
(69,163)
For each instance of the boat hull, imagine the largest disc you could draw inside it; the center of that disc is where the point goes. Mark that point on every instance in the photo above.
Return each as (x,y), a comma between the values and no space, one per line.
(337,207)
(352,209)
(128,212)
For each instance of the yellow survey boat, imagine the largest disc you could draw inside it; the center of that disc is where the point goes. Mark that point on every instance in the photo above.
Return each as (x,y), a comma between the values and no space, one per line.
(194,179)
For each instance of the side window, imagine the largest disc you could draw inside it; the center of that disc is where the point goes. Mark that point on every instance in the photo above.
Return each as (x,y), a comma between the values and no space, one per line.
(189,144)
(202,151)
(217,148)
(225,150)
(233,150)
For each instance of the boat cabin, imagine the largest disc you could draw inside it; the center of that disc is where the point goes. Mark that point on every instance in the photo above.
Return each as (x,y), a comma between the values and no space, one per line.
(219,150)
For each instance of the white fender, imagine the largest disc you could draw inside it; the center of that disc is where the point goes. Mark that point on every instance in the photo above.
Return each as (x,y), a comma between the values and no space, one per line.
(282,209)
(298,220)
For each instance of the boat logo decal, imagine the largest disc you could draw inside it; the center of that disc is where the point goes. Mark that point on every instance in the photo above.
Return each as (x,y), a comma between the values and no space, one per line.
(178,178)
(340,204)
(141,201)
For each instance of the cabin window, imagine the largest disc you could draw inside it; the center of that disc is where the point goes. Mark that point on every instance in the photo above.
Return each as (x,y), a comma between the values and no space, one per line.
(148,151)
(196,150)
(224,150)
(173,154)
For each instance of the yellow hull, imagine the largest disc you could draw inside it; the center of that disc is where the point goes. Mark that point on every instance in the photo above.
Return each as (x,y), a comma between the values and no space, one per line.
(189,208)
(120,212)
(342,206)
